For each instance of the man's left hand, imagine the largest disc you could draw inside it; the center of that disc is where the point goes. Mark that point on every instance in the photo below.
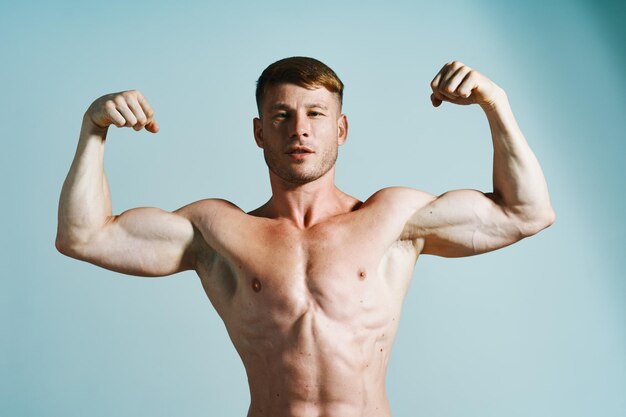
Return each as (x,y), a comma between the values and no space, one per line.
(459,84)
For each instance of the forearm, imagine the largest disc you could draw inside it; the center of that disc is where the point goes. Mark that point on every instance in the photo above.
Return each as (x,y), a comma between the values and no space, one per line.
(85,204)
(518,180)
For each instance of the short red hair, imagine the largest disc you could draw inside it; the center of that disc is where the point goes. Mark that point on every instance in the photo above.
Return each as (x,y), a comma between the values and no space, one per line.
(302,71)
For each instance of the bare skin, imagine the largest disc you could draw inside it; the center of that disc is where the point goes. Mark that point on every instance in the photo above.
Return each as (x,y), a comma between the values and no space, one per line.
(310,285)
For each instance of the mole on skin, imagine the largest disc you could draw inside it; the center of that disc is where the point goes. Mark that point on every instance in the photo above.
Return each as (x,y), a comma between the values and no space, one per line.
(256,285)
(361,275)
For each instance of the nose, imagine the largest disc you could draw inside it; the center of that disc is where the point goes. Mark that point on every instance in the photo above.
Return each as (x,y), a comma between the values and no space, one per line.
(300,126)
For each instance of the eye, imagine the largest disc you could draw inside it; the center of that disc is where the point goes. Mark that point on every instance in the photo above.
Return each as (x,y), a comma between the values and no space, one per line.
(281,115)
(315,114)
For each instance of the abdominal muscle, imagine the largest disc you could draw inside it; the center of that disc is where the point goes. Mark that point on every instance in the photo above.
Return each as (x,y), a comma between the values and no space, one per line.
(316,367)
(313,354)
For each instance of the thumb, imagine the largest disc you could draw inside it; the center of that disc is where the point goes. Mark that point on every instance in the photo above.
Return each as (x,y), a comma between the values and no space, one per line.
(436,102)
(153,126)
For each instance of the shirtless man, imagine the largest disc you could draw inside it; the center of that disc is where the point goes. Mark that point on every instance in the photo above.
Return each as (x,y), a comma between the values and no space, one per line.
(310,285)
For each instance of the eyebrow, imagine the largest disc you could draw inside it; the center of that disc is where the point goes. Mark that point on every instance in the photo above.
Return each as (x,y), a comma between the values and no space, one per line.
(284,106)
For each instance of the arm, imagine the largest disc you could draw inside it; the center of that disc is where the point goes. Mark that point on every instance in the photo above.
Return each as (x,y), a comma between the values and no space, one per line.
(141,241)
(469,222)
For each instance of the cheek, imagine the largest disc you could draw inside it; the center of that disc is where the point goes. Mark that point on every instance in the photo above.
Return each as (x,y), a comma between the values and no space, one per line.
(326,129)
(270,134)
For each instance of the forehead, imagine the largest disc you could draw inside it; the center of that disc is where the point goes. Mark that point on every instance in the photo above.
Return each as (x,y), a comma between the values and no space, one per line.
(295,96)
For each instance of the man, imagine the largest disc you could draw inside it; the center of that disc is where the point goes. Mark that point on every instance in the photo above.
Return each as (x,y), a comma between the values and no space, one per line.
(310,285)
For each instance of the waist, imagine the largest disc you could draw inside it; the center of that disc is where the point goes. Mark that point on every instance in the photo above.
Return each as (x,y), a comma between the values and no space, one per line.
(281,408)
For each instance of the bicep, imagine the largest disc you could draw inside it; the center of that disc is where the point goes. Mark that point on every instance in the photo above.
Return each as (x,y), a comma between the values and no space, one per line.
(464,223)
(145,241)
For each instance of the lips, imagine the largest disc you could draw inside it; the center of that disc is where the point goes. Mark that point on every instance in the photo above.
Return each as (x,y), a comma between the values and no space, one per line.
(298,150)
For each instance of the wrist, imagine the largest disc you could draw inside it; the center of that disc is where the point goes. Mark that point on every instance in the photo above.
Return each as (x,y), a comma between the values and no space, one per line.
(91,128)
(496,102)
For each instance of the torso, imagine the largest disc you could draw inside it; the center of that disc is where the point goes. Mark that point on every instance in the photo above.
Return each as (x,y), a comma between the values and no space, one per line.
(313,313)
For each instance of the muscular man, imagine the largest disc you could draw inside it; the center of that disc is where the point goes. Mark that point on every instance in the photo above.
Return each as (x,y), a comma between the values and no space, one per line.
(310,285)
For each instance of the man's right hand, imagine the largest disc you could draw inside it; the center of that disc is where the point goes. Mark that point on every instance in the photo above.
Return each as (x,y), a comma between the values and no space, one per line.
(123,109)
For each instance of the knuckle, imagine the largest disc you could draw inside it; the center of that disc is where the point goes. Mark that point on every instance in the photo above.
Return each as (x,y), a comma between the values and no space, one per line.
(119,99)
(128,94)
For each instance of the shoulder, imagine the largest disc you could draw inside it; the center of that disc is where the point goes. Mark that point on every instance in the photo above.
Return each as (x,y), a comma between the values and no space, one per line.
(394,207)
(208,204)
(206,211)
(400,198)
(219,223)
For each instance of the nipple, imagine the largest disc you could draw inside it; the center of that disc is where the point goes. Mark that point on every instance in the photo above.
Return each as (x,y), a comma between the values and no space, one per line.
(256,285)
(361,274)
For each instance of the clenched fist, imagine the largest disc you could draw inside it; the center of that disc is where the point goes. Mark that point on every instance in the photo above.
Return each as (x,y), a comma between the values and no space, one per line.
(126,108)
(460,84)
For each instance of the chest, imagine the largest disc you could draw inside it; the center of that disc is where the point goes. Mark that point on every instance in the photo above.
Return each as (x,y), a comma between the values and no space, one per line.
(339,272)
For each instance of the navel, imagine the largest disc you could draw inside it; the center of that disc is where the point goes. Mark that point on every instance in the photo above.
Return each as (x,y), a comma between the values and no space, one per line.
(256,285)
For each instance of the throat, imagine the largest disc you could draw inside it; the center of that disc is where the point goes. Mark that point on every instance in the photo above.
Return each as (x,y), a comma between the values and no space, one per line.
(305,210)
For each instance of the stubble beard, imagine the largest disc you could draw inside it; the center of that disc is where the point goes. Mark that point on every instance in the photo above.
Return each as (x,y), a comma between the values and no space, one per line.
(298,176)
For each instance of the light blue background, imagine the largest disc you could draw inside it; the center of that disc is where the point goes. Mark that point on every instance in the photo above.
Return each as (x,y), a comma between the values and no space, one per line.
(536,329)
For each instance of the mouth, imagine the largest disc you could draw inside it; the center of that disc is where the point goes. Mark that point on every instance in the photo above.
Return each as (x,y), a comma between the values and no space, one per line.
(299,150)
(299,153)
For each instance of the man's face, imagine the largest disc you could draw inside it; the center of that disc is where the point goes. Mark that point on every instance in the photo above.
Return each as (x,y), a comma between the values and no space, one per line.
(300,131)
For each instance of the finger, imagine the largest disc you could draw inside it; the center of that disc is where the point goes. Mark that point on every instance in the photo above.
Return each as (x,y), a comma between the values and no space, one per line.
(122,107)
(152,126)
(441,75)
(451,68)
(435,82)
(141,117)
(147,109)
(439,97)
(436,102)
(453,82)
(468,84)
(441,78)
(113,115)
(441,94)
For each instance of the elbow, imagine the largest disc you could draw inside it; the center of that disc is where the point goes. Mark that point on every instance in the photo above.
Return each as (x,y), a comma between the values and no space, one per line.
(67,247)
(63,247)
(536,221)
(73,241)
(550,217)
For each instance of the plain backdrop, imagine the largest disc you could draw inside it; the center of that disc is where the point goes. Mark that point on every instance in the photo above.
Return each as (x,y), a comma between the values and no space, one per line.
(535,329)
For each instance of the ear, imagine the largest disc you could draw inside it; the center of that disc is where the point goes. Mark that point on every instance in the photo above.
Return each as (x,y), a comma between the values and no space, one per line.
(342,129)
(257,126)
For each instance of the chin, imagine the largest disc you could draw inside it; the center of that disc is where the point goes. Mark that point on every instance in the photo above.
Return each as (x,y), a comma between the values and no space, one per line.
(297,177)
(299,174)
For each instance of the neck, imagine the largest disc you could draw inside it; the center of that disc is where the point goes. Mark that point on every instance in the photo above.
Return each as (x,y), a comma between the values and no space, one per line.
(307,204)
